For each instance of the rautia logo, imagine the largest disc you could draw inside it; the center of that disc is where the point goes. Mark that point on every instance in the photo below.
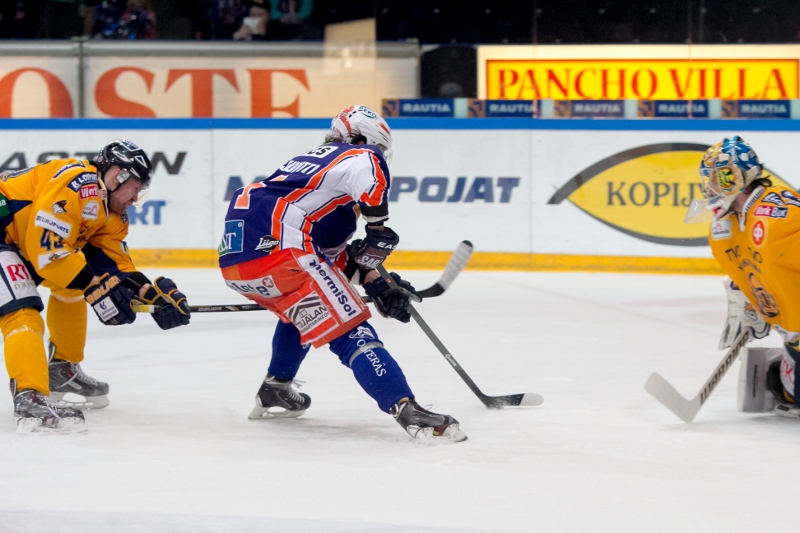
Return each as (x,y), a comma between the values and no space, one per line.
(645,192)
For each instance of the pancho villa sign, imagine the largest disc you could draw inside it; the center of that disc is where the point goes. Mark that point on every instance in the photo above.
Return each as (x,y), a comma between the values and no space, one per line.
(647,79)
(645,192)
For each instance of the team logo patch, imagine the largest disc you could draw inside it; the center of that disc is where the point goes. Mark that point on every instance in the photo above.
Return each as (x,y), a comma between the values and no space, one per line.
(90,211)
(233,238)
(771,211)
(82,179)
(308,313)
(267,243)
(758,233)
(60,207)
(767,306)
(361,332)
(790,199)
(721,229)
(772,198)
(87,191)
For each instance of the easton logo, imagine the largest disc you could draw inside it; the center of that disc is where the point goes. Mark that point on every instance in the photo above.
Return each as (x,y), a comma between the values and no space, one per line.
(644,192)
(308,313)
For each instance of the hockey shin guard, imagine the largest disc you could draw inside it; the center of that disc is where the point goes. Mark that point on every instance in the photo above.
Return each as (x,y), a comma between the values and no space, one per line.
(26,360)
(66,322)
(373,367)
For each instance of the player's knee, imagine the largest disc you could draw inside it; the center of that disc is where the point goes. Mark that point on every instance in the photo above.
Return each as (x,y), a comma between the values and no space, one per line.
(359,341)
(26,319)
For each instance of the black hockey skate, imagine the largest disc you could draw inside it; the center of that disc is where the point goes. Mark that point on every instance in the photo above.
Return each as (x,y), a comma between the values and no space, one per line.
(69,378)
(34,413)
(426,426)
(278,398)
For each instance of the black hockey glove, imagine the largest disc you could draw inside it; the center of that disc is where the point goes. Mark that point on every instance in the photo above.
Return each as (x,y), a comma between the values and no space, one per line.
(111,301)
(174,310)
(391,302)
(370,252)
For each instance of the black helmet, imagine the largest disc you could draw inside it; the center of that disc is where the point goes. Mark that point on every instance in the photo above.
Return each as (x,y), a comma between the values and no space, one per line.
(130,158)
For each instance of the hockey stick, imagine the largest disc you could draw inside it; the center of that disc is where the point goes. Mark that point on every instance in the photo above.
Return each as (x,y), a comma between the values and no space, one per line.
(454,267)
(492,402)
(686,410)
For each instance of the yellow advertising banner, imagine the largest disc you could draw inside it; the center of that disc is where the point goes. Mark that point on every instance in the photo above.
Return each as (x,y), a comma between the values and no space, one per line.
(646,79)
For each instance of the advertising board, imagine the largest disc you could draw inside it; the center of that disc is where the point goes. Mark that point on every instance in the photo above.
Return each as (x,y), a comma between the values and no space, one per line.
(646,72)
(515,187)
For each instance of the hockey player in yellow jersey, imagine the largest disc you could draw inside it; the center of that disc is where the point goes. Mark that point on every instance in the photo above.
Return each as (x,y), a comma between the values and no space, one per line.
(755,237)
(65,223)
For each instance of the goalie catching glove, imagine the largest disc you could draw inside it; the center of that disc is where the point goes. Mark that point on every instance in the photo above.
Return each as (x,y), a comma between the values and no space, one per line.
(173,309)
(741,314)
(391,301)
(111,301)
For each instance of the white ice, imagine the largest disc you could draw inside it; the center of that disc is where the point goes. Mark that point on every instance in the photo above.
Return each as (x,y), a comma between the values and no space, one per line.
(175,452)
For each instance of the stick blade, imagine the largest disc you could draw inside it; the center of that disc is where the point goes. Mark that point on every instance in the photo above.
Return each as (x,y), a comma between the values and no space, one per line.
(660,389)
(527,399)
(456,264)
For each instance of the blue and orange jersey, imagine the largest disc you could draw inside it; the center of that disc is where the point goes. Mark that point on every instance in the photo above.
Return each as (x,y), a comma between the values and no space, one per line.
(311,203)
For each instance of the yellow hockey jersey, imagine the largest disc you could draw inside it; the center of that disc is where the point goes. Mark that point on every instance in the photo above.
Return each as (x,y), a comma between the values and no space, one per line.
(760,251)
(51,211)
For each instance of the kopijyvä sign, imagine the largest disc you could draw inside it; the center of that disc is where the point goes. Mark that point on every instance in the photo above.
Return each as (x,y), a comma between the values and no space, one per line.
(645,192)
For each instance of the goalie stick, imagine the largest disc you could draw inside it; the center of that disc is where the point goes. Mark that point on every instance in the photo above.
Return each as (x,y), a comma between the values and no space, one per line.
(686,410)
(492,402)
(458,260)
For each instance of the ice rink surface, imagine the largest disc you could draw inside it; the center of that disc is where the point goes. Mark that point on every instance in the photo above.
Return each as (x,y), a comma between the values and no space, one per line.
(174,452)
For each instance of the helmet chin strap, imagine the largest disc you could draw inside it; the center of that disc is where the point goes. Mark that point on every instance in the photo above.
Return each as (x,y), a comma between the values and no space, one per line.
(109,192)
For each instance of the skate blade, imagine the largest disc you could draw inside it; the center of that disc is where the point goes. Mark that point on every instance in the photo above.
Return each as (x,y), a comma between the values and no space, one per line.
(81,402)
(786,411)
(451,435)
(264,413)
(28,426)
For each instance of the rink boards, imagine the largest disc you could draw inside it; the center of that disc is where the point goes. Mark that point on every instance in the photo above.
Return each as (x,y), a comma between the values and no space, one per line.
(530,194)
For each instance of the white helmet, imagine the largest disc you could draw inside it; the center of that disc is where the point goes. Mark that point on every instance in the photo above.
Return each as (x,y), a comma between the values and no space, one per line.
(360,123)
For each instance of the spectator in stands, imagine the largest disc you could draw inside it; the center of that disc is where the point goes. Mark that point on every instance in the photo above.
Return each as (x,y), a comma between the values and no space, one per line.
(289,17)
(138,21)
(120,19)
(102,16)
(221,18)
(254,26)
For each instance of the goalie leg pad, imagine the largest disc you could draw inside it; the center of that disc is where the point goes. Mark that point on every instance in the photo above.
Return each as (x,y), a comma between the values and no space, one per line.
(754,395)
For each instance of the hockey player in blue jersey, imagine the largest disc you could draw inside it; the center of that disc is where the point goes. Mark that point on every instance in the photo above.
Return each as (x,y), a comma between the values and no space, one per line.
(286,247)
